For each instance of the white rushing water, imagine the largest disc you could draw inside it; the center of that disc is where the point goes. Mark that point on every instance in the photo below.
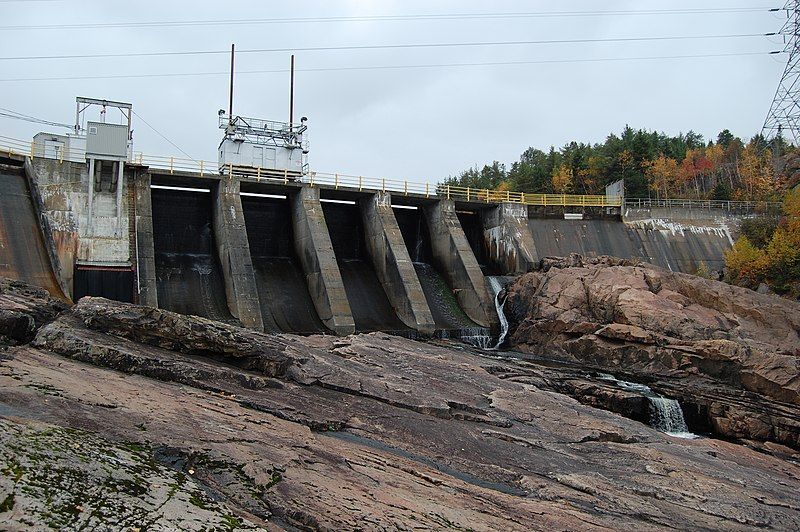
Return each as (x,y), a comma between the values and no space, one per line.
(497,287)
(476,336)
(666,415)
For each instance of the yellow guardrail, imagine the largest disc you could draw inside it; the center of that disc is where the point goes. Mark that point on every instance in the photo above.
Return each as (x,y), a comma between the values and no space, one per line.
(525,198)
(335,180)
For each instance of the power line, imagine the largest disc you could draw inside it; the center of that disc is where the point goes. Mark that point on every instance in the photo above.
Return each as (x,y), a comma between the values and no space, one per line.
(391,18)
(388,46)
(157,132)
(8,113)
(395,67)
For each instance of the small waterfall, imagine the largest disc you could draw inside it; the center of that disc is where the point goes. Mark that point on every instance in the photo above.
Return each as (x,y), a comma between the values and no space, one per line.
(497,287)
(476,336)
(666,415)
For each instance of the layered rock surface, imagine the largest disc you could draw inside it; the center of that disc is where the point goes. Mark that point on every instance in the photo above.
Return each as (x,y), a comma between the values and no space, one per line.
(731,355)
(23,309)
(364,432)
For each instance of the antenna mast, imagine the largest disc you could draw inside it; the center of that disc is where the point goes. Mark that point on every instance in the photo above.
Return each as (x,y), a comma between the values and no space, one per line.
(230,102)
(291,92)
(784,113)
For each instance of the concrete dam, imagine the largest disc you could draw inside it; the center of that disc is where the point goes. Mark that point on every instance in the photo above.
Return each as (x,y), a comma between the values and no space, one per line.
(287,256)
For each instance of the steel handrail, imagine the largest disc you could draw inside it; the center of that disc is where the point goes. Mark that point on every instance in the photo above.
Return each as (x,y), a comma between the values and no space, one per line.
(396,186)
(730,205)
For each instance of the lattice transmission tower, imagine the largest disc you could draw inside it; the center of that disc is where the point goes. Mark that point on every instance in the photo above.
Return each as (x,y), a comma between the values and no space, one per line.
(783,118)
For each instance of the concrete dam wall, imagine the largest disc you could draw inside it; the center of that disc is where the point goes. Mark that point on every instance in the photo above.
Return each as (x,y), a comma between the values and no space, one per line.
(369,302)
(507,239)
(288,257)
(448,317)
(286,304)
(664,242)
(24,253)
(189,275)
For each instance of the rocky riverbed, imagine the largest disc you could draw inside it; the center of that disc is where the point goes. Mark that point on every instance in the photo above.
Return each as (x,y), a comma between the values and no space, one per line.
(119,417)
(730,355)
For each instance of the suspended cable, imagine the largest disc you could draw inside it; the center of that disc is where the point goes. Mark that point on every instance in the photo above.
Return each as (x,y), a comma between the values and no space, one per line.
(394,67)
(390,18)
(157,132)
(386,46)
(8,113)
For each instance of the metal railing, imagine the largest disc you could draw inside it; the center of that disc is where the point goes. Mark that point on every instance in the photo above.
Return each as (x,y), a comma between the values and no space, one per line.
(201,168)
(732,206)
(525,198)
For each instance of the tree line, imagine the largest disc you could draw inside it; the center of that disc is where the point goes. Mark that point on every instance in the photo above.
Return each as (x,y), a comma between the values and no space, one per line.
(768,251)
(652,164)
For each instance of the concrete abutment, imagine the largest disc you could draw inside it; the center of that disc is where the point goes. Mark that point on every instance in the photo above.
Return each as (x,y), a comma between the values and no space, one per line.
(234,254)
(456,260)
(393,264)
(313,246)
(508,238)
(145,251)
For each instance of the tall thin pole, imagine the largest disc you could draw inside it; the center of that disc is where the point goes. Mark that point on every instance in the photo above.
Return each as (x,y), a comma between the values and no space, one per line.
(291,92)
(230,102)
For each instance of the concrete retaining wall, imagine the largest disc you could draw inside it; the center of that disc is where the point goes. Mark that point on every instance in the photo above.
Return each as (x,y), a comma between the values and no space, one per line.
(313,246)
(393,264)
(455,259)
(508,239)
(230,236)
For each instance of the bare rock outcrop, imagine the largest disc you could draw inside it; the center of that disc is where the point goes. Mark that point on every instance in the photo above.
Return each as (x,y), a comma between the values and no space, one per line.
(730,353)
(364,432)
(23,309)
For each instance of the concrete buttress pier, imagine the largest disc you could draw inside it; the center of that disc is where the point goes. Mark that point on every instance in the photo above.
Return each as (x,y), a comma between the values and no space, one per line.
(313,246)
(393,264)
(145,251)
(234,254)
(456,260)
(510,243)
(44,227)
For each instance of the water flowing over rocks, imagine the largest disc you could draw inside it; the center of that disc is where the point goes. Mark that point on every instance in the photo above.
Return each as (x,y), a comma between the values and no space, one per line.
(364,432)
(730,355)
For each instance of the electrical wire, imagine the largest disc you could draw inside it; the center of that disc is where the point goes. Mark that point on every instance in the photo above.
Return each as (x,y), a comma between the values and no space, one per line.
(393,18)
(8,113)
(157,132)
(387,46)
(395,67)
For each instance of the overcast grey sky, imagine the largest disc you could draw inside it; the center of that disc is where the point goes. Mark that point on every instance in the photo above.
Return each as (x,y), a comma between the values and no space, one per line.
(416,123)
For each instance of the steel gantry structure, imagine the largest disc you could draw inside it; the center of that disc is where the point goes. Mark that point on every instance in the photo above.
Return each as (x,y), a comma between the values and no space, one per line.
(783,118)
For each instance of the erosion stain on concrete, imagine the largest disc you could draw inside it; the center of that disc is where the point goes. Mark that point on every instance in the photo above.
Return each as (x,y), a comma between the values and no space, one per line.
(286,304)
(189,276)
(681,250)
(368,301)
(23,254)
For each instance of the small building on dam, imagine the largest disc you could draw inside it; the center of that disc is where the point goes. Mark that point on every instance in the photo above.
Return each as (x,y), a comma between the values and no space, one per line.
(259,239)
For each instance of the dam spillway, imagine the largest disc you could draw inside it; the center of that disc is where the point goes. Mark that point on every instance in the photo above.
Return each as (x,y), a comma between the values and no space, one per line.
(448,316)
(369,303)
(286,305)
(188,272)
(23,254)
(472,224)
